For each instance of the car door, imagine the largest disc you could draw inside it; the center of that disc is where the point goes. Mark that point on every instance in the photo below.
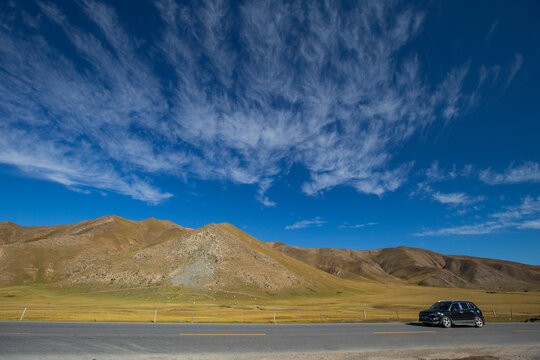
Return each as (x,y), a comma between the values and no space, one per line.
(468,311)
(456,313)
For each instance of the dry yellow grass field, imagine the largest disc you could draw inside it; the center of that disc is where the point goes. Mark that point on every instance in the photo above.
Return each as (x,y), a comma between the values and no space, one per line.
(113,269)
(181,304)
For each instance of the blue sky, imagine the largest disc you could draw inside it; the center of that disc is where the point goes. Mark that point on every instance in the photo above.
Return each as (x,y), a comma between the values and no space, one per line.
(357,125)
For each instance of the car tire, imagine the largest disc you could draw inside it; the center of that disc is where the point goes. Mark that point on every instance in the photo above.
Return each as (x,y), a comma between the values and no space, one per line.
(478,322)
(446,322)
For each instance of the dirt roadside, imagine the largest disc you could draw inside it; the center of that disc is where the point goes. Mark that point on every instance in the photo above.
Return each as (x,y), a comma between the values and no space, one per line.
(478,353)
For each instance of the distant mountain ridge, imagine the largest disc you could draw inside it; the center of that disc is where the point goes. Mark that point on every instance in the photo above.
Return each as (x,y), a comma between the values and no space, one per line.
(112,251)
(418,267)
(115,252)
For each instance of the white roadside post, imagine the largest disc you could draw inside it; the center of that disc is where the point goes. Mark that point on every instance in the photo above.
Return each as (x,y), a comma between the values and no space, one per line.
(22,316)
(155,315)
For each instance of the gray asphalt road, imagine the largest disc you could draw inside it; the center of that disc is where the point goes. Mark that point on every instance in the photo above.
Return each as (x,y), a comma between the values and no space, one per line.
(99,340)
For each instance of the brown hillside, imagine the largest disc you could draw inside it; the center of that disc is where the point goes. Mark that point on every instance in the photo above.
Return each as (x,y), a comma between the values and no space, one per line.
(215,256)
(418,266)
(51,253)
(112,251)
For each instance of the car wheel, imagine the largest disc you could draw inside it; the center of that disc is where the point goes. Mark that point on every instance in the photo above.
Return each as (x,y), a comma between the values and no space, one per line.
(446,322)
(478,322)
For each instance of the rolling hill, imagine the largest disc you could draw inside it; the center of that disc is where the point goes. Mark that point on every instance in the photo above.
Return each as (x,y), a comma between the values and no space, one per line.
(51,253)
(418,267)
(112,251)
(119,253)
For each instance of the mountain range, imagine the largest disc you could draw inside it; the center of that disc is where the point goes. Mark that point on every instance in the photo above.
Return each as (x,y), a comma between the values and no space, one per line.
(115,252)
(418,267)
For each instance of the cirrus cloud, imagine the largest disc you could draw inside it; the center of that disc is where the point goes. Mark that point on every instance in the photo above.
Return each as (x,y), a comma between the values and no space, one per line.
(522,216)
(219,91)
(315,222)
(526,172)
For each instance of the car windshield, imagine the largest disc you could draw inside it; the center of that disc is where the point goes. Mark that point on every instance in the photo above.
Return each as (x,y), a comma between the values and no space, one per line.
(441,305)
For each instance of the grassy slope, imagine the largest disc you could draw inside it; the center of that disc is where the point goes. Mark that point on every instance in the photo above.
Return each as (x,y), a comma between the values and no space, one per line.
(325,283)
(334,299)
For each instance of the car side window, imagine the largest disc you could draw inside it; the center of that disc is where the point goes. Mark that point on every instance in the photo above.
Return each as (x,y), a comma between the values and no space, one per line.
(464,306)
(455,307)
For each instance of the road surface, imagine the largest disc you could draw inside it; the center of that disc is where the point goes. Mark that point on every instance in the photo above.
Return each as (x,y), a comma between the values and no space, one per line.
(79,340)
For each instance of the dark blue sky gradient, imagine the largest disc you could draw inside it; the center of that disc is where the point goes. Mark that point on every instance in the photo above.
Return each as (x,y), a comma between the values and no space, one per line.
(361,125)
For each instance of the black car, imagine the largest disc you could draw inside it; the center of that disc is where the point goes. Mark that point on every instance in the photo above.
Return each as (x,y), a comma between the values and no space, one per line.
(452,312)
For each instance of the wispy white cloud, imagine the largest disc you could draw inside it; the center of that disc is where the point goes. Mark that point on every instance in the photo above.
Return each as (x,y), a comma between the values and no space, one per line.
(435,174)
(514,68)
(450,93)
(315,222)
(71,126)
(318,121)
(522,216)
(492,28)
(357,226)
(244,98)
(451,198)
(456,198)
(56,163)
(474,229)
(488,75)
(528,207)
(263,187)
(527,172)
(531,224)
